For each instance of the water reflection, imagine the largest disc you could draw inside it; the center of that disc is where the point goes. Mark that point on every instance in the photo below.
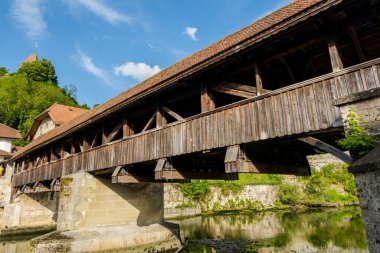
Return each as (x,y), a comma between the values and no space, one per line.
(286,231)
(281,231)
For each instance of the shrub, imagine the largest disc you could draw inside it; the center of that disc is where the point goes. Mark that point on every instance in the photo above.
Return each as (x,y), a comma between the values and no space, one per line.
(356,141)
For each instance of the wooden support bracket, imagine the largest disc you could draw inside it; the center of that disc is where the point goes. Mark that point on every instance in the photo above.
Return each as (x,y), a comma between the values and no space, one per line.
(114,132)
(237,161)
(173,114)
(150,122)
(55,185)
(123,175)
(327,148)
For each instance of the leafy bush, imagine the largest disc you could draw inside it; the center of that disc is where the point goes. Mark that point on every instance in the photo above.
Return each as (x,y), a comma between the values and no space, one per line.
(288,194)
(195,190)
(259,179)
(356,141)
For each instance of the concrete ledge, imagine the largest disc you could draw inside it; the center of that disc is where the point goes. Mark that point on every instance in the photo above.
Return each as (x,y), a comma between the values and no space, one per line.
(172,213)
(356,97)
(131,238)
(6,233)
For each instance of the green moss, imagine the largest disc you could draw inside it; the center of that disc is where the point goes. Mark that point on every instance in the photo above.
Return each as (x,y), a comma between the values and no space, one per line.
(66,181)
(186,205)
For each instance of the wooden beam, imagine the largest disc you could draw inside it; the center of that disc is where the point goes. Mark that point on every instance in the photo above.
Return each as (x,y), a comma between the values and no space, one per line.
(104,135)
(335,57)
(125,176)
(55,185)
(234,89)
(259,81)
(358,46)
(207,98)
(128,127)
(173,114)
(93,143)
(72,148)
(327,148)
(150,122)
(114,132)
(237,161)
(86,144)
(288,69)
(165,171)
(53,156)
(160,118)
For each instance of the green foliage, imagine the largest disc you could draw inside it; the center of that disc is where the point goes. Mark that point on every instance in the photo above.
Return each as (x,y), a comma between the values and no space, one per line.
(3,71)
(356,141)
(259,179)
(195,190)
(186,205)
(39,71)
(288,194)
(21,100)
(227,186)
(321,188)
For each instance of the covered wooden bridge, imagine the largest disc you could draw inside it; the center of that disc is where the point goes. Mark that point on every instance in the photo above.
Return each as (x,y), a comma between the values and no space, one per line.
(259,100)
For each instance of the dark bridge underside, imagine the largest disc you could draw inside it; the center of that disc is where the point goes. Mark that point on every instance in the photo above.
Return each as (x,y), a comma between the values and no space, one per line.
(302,109)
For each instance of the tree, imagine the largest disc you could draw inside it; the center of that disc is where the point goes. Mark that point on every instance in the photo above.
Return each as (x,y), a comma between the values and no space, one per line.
(3,71)
(39,71)
(21,100)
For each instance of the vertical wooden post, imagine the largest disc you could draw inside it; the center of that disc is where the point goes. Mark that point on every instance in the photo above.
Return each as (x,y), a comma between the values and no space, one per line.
(336,60)
(86,145)
(104,135)
(259,81)
(128,127)
(53,157)
(62,152)
(30,163)
(207,98)
(72,148)
(160,118)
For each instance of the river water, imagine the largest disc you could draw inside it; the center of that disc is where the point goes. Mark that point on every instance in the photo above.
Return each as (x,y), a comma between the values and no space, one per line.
(328,230)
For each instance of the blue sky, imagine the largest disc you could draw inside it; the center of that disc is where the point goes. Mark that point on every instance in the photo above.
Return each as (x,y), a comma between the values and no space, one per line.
(104,47)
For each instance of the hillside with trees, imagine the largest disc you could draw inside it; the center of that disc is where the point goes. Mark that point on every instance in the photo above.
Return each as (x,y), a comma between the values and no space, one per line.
(29,91)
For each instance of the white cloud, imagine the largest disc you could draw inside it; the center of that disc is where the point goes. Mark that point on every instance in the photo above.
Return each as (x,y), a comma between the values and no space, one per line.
(191,31)
(90,67)
(138,71)
(29,15)
(102,10)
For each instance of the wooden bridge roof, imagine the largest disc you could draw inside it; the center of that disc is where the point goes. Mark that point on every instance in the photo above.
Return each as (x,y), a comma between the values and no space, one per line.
(280,20)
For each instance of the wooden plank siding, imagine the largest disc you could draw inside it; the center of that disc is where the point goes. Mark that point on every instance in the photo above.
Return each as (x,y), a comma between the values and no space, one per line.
(301,108)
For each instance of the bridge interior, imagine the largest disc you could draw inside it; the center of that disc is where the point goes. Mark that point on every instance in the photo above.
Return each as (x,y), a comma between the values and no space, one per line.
(331,53)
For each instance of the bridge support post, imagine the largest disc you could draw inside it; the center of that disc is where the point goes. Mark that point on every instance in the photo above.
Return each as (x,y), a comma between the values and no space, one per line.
(366,170)
(96,215)
(24,214)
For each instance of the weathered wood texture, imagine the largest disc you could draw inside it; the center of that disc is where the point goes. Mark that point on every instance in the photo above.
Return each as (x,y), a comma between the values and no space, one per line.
(305,107)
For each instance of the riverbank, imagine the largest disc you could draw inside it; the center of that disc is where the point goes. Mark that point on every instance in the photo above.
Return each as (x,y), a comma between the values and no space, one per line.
(328,186)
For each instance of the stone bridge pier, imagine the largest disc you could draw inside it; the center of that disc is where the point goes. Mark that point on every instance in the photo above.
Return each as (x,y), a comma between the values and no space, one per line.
(96,215)
(26,213)
(366,105)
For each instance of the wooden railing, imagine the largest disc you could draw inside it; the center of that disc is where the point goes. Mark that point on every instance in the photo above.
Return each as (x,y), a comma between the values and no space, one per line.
(304,107)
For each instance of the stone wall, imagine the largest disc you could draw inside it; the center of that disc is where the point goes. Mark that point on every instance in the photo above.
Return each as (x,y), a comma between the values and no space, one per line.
(90,202)
(218,199)
(31,210)
(321,160)
(368,185)
(365,105)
